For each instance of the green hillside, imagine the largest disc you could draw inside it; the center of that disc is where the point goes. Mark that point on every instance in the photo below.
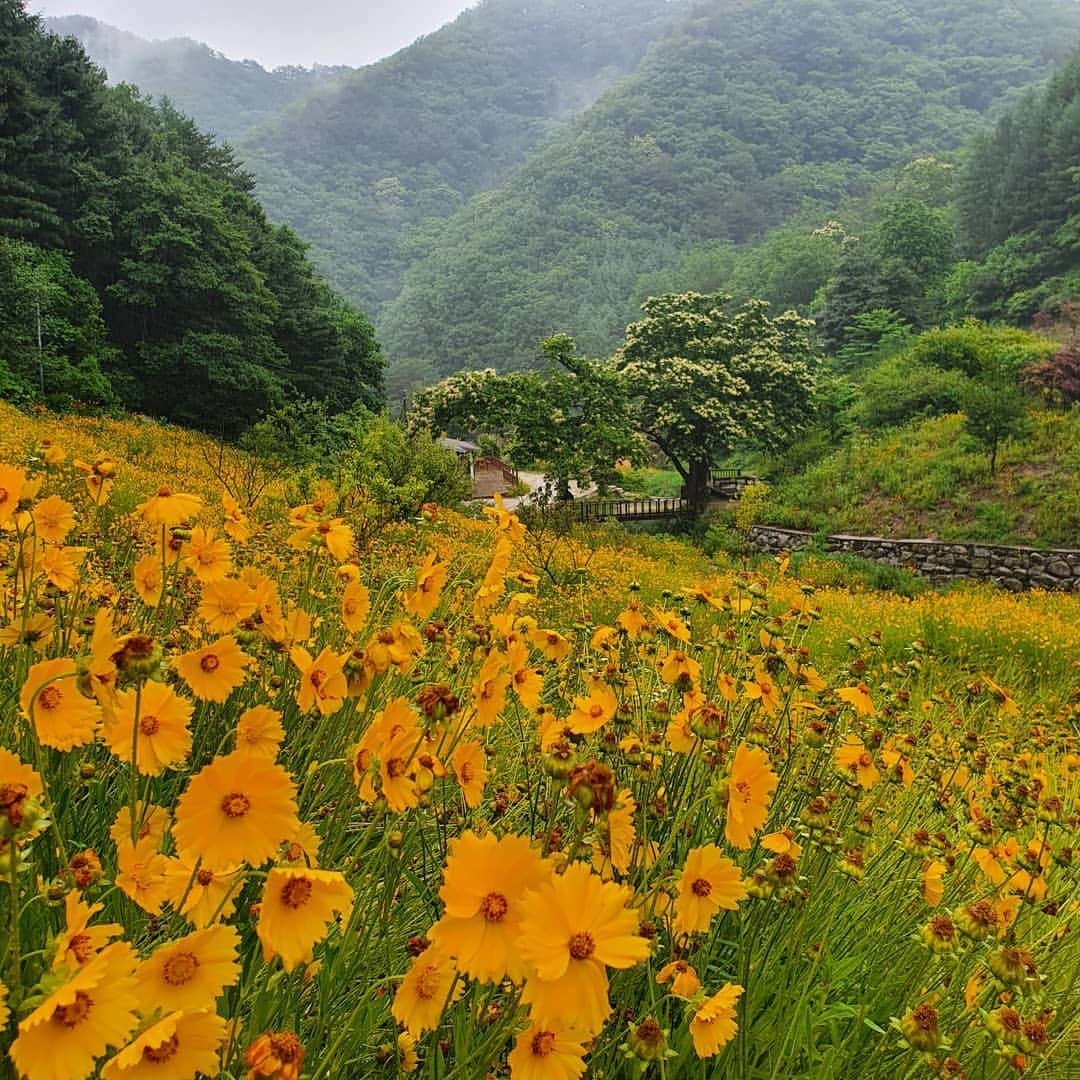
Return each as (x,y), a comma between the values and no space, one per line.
(745,115)
(406,141)
(226,97)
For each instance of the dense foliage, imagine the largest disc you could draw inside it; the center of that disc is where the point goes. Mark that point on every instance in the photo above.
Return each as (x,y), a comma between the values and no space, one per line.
(134,241)
(733,123)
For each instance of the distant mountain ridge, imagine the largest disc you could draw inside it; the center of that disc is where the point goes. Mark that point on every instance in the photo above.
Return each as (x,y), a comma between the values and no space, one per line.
(226,97)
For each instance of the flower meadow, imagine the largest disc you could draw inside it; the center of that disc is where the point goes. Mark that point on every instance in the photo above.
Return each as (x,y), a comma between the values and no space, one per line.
(274,803)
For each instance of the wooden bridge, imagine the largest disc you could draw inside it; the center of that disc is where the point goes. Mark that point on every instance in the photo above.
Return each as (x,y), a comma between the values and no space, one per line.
(723,484)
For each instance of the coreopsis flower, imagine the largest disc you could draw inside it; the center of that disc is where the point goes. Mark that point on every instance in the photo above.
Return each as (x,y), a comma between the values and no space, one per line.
(592,712)
(615,839)
(551,643)
(259,732)
(546,1053)
(782,843)
(489,689)
(51,701)
(85,869)
(484,883)
(170,508)
(632,620)
(225,603)
(394,646)
(206,555)
(573,928)
(214,671)
(297,906)
(469,764)
(933,883)
(61,566)
(857,763)
(858,697)
(19,785)
(763,688)
(12,482)
(148,579)
(201,895)
(236,523)
(98,477)
(920,1028)
(54,518)
(236,809)
(750,789)
(79,942)
(683,978)
(276,1054)
(332,533)
(164,737)
(34,632)
(141,874)
(421,601)
(323,684)
(355,606)
(397,772)
(424,992)
(527,682)
(671,623)
(79,1021)
(5,1012)
(177,1047)
(189,973)
(407,1056)
(713,1023)
(678,666)
(150,825)
(710,882)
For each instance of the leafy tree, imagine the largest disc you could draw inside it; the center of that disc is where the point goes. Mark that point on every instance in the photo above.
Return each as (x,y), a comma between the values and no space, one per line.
(993,412)
(702,381)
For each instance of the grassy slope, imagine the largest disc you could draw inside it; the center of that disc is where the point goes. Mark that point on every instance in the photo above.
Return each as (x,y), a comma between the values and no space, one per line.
(927,479)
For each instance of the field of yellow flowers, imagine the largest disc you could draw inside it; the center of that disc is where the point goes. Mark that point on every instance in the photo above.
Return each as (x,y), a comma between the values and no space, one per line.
(456,804)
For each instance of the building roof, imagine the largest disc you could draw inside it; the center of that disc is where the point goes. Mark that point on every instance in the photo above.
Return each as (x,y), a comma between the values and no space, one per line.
(459,446)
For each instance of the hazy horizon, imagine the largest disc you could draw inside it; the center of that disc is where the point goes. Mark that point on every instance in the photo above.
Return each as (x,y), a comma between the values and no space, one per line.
(275,32)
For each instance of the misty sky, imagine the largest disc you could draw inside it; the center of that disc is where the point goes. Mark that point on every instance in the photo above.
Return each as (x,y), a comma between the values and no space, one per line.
(275,31)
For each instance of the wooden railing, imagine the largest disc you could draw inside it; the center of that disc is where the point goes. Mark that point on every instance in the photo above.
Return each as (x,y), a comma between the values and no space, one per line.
(729,483)
(631,509)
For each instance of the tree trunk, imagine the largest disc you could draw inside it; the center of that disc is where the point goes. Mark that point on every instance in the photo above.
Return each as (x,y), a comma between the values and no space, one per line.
(696,488)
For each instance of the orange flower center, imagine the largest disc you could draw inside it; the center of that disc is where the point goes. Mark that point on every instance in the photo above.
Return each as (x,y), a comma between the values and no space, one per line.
(745,790)
(865,760)
(427,982)
(74,1014)
(286,1047)
(180,968)
(582,945)
(50,697)
(543,1043)
(701,887)
(149,725)
(158,1054)
(395,767)
(204,877)
(296,892)
(3,495)
(81,947)
(494,907)
(596,711)
(942,927)
(317,677)
(209,663)
(1010,1019)
(163,492)
(925,1016)
(465,772)
(235,804)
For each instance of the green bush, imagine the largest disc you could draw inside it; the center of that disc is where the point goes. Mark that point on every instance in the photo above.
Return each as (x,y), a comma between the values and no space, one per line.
(903,387)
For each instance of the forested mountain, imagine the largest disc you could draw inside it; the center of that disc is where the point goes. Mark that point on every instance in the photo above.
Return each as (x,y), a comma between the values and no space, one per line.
(226,97)
(744,115)
(137,269)
(410,139)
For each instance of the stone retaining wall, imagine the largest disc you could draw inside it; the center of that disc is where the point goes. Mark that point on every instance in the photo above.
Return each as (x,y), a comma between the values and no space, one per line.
(1013,568)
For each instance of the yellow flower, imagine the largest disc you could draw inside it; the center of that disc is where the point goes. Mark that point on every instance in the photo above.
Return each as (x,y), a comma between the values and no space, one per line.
(322,681)
(61,566)
(710,882)
(236,522)
(573,928)
(225,603)
(857,763)
(671,623)
(683,978)
(148,580)
(484,883)
(152,823)
(551,643)
(616,836)
(80,942)
(11,485)
(858,697)
(591,713)
(175,1048)
(206,555)
(164,737)
(168,509)
(297,906)
(79,1021)
(489,689)
(259,732)
(762,688)
(141,874)
(468,763)
(50,700)
(424,992)
(355,605)
(933,886)
(430,579)
(54,518)
(192,971)
(201,895)
(750,788)
(214,671)
(277,1054)
(713,1024)
(236,809)
(545,1053)
(18,785)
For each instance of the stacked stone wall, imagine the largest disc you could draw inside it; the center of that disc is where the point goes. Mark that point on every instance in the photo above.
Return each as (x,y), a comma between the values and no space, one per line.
(1013,568)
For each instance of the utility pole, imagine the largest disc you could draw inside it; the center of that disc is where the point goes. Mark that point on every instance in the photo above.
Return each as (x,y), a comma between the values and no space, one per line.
(40,355)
